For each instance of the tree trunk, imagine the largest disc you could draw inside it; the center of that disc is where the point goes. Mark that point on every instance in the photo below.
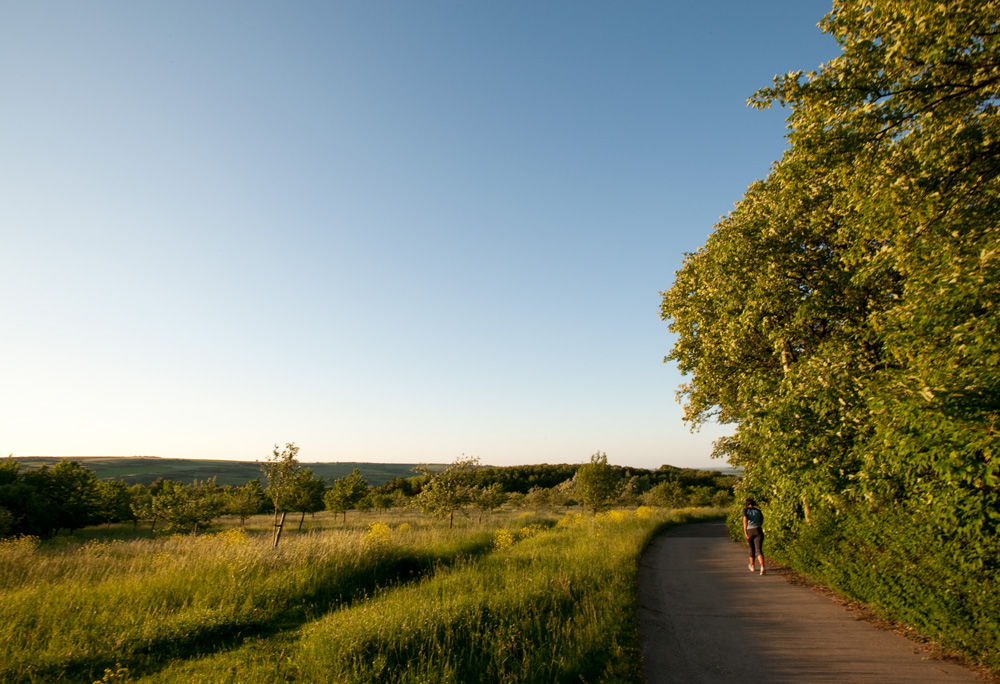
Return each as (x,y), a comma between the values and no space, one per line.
(277,530)
(302,520)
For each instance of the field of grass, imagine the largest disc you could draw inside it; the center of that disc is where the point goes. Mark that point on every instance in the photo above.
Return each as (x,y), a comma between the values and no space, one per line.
(521,597)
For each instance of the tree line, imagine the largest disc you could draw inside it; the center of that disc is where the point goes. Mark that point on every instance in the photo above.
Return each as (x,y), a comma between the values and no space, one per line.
(844,317)
(68,496)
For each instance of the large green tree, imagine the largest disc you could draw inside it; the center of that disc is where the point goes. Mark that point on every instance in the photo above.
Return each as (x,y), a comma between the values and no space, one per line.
(69,492)
(19,504)
(597,483)
(843,316)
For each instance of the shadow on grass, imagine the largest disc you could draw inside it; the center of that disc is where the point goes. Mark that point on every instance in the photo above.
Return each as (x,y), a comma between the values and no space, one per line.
(151,657)
(509,643)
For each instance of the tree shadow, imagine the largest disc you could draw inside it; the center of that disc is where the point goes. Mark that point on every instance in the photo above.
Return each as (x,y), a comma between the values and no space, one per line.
(155,655)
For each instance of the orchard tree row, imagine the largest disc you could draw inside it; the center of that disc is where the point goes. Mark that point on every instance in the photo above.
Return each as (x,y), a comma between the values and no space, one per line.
(68,496)
(594,485)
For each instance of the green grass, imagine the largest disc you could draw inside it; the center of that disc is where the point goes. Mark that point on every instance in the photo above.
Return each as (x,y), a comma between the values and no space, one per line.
(518,598)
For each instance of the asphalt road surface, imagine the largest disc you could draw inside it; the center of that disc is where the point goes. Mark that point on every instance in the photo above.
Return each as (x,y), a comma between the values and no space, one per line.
(704,618)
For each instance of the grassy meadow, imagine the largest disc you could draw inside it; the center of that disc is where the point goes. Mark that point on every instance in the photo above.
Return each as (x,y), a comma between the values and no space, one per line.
(522,596)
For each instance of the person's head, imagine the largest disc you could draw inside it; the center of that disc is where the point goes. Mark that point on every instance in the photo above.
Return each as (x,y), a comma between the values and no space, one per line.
(751,502)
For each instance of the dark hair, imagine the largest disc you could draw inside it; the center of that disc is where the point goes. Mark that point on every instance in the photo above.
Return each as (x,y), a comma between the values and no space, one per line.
(751,502)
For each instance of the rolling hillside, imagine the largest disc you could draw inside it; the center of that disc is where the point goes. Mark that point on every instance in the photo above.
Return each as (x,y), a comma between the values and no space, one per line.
(145,469)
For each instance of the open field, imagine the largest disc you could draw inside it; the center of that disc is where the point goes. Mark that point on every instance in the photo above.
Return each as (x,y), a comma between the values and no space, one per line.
(520,597)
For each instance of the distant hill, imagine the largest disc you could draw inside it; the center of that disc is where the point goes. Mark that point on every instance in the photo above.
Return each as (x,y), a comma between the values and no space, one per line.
(727,470)
(145,469)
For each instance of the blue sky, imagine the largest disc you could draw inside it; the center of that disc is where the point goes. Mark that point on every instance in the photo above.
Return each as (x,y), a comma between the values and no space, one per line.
(386,231)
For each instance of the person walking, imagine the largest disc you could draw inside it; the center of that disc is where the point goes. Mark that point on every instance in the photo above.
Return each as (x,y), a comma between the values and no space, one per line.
(753,530)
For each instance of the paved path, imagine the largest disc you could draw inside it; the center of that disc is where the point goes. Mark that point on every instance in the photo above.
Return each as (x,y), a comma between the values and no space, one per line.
(704,618)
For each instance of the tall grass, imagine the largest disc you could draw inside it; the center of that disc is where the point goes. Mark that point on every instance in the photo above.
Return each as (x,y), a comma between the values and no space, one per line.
(520,599)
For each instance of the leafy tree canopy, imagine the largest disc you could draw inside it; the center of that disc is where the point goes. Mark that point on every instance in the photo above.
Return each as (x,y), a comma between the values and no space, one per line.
(597,483)
(281,468)
(449,491)
(843,316)
(188,507)
(345,493)
(246,500)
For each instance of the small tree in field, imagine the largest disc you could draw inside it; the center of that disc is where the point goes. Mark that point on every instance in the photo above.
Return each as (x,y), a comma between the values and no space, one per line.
(564,493)
(448,491)
(515,499)
(379,500)
(306,494)
(280,469)
(113,501)
(488,499)
(597,483)
(192,507)
(141,503)
(345,493)
(538,498)
(246,500)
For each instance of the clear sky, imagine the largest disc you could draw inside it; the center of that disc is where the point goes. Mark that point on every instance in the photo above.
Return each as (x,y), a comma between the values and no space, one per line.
(387,231)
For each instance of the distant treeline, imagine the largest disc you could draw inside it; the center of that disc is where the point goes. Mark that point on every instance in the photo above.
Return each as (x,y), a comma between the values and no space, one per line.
(147,469)
(523,478)
(67,496)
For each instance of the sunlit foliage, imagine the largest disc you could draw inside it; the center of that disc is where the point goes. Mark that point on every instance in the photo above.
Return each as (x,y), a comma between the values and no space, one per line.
(844,317)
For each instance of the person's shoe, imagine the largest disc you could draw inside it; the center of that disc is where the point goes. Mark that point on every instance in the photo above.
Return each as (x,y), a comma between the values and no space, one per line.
(762,571)
(752,568)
